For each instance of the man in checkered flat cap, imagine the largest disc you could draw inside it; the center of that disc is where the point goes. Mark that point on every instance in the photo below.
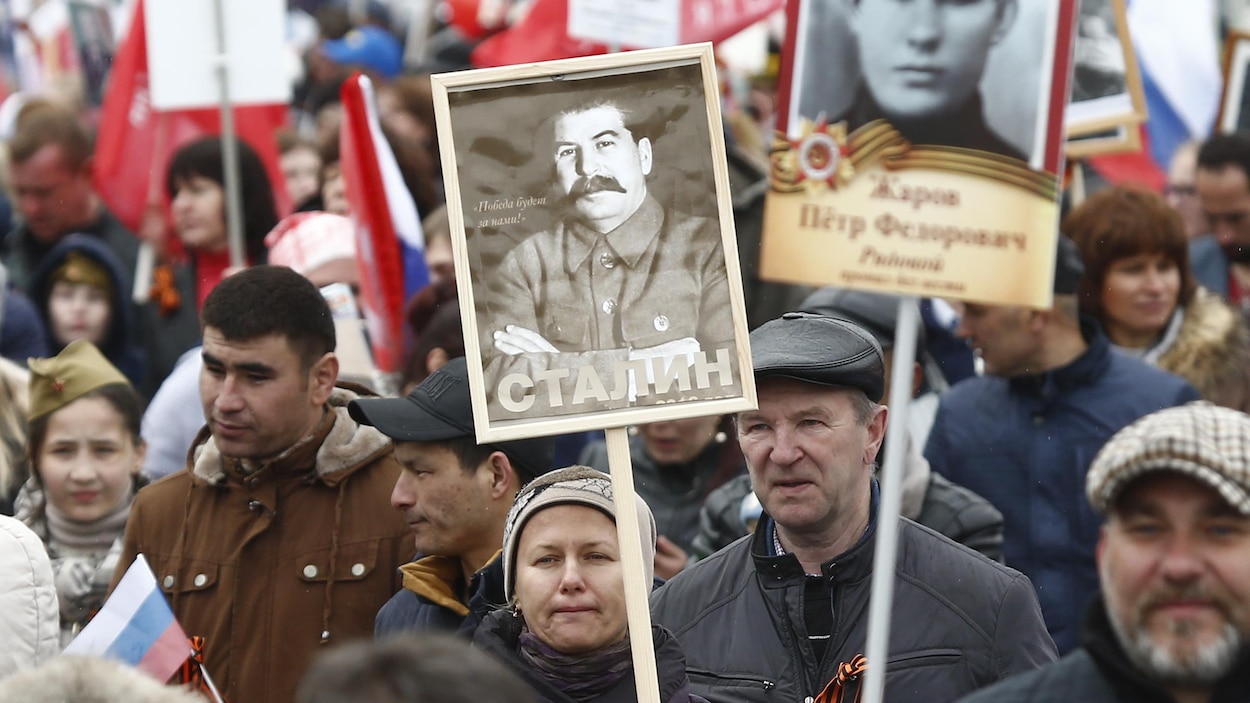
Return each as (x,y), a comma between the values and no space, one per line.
(1173,620)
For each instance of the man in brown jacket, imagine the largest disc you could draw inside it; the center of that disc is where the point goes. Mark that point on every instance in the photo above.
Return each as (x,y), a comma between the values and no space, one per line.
(271,544)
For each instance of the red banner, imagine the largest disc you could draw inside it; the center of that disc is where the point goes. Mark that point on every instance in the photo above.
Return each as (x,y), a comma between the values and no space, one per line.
(134,143)
(542,34)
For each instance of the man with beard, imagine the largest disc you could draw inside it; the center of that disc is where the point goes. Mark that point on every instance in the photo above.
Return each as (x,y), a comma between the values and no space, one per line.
(1221,260)
(1173,621)
(619,278)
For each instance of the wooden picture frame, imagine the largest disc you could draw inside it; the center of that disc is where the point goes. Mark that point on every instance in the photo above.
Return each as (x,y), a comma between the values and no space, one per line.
(1106,81)
(1234,111)
(1113,140)
(622,303)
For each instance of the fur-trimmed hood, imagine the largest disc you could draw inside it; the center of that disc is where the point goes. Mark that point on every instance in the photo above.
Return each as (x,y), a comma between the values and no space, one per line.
(347,446)
(1212,351)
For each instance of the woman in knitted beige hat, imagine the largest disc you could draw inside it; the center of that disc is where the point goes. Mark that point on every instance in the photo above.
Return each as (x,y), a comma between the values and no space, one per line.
(85,453)
(565,630)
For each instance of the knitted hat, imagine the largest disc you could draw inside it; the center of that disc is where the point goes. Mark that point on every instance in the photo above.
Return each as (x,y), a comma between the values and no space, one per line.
(307,240)
(77,267)
(79,369)
(1202,441)
(575,485)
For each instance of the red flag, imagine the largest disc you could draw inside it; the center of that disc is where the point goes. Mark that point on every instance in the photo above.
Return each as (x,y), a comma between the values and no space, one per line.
(377,243)
(134,142)
(542,34)
(1131,167)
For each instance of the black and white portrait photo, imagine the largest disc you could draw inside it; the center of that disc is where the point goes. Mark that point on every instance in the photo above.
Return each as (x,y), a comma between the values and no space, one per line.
(1106,85)
(1098,65)
(595,243)
(973,74)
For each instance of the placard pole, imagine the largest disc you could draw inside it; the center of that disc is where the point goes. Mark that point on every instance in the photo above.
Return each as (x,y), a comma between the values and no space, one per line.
(637,591)
(229,147)
(885,551)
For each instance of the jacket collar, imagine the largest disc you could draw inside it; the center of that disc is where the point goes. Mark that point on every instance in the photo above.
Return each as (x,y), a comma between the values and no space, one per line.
(973,130)
(852,565)
(438,579)
(629,241)
(1083,371)
(336,448)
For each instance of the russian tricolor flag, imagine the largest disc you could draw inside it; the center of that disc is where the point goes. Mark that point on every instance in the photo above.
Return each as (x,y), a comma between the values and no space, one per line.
(1177,48)
(390,242)
(136,626)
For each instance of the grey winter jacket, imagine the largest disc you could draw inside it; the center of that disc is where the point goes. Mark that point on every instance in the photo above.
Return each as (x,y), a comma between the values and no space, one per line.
(960,621)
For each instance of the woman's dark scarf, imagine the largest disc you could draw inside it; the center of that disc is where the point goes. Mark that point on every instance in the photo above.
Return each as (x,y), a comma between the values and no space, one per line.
(583,677)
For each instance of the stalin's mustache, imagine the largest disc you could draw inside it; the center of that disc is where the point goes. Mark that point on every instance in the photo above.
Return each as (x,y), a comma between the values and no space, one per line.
(588,185)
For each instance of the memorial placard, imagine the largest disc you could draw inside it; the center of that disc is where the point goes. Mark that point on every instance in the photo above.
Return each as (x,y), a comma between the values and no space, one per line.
(595,252)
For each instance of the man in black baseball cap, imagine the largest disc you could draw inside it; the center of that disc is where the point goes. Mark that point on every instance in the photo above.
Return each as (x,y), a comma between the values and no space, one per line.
(455,495)
(785,610)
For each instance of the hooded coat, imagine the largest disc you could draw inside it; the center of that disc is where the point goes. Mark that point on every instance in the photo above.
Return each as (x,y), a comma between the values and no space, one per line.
(270,567)
(116,345)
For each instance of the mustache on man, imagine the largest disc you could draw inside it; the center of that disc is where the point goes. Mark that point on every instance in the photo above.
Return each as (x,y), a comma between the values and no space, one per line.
(586,185)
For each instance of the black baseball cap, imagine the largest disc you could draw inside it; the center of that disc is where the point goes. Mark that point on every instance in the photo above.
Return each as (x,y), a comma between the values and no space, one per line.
(818,349)
(441,409)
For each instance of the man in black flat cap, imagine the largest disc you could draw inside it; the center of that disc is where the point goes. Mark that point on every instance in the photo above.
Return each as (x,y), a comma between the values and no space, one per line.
(455,495)
(782,614)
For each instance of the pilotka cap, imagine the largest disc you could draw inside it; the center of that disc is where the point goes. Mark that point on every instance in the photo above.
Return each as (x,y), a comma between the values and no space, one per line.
(817,349)
(1206,442)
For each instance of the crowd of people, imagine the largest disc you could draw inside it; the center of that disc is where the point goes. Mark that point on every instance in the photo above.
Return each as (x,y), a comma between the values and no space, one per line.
(1075,511)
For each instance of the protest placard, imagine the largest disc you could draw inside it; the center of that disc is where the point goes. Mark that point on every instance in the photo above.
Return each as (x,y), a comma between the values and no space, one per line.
(921,156)
(595,251)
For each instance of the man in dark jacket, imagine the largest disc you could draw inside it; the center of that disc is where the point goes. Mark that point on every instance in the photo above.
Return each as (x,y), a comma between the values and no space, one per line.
(775,616)
(928,498)
(51,177)
(1023,435)
(1173,623)
(455,495)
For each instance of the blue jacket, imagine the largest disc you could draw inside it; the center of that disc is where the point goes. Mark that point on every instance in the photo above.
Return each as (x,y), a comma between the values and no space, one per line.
(1209,264)
(116,346)
(431,598)
(1025,445)
(22,332)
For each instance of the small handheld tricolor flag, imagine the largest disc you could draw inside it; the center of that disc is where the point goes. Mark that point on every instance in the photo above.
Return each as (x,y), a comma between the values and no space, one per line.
(136,626)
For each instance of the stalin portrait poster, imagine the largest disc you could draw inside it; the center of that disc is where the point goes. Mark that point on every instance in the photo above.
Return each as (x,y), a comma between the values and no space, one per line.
(596,260)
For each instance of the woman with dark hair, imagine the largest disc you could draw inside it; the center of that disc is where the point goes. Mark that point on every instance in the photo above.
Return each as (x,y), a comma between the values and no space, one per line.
(1139,287)
(195,183)
(85,453)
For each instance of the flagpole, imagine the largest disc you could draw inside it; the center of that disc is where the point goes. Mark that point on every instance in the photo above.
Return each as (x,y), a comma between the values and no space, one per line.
(212,687)
(229,146)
